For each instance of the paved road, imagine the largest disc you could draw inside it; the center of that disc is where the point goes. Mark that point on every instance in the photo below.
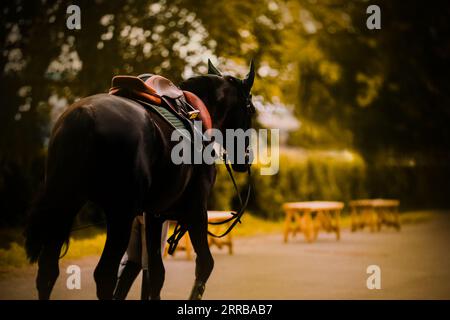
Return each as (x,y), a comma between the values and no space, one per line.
(415,264)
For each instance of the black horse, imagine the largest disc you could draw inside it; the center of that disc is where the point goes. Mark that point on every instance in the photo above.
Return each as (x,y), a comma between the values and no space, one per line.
(112,151)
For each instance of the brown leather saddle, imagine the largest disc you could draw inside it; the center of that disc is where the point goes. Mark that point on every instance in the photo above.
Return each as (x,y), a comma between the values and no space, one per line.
(164,87)
(162,92)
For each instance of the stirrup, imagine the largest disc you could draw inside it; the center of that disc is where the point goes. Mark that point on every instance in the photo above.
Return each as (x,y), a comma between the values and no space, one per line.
(187,109)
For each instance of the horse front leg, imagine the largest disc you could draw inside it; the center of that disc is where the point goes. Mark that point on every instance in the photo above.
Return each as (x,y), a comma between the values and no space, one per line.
(204,263)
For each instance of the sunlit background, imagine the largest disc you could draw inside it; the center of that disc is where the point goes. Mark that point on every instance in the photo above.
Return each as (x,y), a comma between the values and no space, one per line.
(362,113)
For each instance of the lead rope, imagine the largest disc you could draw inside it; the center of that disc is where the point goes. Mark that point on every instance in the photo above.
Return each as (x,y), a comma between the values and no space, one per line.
(238,215)
(180,230)
(235,216)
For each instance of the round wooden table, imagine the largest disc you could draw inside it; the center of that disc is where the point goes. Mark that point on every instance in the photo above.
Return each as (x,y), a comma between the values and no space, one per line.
(311,216)
(374,213)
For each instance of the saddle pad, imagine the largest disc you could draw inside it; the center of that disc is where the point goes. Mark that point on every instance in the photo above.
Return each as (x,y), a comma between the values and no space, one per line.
(168,115)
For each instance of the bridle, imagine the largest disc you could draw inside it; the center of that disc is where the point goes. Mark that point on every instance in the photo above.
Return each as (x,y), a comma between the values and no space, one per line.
(250,110)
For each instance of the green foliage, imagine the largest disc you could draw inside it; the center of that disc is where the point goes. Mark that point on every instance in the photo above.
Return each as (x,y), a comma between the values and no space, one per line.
(365,90)
(303,176)
(14,256)
(44,63)
(312,135)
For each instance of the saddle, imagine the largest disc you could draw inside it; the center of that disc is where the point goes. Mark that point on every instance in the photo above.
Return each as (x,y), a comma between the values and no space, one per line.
(160,91)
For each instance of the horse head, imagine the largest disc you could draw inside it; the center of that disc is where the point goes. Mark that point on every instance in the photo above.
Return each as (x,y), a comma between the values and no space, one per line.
(229,101)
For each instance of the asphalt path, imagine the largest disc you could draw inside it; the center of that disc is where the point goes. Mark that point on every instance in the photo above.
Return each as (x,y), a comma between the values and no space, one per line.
(414,264)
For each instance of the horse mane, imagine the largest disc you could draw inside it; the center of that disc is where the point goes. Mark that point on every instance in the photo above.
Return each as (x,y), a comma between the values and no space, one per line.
(203,87)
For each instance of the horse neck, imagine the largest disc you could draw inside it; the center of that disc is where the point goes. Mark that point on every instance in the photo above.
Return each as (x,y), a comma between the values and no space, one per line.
(203,87)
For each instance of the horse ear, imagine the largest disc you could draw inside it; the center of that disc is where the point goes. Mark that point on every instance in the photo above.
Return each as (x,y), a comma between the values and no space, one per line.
(250,78)
(213,70)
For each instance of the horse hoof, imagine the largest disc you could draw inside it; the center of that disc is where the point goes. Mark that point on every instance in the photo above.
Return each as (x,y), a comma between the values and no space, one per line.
(197,291)
(44,296)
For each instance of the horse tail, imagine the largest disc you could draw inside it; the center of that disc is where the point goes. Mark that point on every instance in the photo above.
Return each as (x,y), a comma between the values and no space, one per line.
(63,194)
(37,230)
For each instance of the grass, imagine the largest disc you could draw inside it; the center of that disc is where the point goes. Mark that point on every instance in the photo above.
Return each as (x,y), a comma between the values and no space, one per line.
(15,257)
(91,241)
(414,217)
(252,225)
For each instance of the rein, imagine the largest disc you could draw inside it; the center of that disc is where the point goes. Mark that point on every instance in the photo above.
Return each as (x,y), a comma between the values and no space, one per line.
(238,215)
(180,230)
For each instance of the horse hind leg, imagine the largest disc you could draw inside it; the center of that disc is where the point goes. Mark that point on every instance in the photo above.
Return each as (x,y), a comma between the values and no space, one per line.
(48,270)
(204,264)
(67,171)
(117,237)
(132,262)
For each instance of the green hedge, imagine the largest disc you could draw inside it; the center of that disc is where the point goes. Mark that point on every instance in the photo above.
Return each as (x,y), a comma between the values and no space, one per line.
(303,176)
